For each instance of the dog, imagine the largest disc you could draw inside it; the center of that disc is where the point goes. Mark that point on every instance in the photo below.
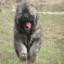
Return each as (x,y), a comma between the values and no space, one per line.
(27,32)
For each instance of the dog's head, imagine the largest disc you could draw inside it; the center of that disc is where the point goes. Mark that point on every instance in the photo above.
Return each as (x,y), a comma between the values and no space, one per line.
(26,18)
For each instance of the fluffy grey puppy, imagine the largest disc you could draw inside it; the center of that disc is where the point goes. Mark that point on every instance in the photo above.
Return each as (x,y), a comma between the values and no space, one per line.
(27,32)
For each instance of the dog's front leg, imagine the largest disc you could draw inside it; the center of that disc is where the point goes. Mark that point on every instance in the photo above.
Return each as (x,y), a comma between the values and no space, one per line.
(36,40)
(34,49)
(20,49)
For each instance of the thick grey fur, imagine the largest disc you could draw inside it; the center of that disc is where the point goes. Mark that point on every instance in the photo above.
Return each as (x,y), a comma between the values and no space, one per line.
(22,41)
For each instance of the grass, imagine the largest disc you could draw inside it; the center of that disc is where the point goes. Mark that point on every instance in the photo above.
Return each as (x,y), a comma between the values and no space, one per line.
(52,50)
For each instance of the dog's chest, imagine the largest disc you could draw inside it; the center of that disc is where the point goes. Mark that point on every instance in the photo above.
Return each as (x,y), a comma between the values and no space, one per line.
(26,40)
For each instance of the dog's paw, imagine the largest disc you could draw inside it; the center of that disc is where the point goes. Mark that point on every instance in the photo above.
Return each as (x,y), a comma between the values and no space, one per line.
(23,56)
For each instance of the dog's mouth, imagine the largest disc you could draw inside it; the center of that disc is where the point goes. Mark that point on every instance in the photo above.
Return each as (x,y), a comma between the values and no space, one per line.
(27,25)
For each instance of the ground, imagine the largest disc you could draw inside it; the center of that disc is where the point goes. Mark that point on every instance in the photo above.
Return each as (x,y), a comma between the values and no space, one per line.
(52,50)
